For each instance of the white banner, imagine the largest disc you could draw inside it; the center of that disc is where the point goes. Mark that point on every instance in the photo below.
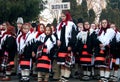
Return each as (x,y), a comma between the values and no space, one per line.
(60,6)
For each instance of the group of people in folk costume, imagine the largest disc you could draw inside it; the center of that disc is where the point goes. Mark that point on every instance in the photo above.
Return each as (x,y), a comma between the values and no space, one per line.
(90,47)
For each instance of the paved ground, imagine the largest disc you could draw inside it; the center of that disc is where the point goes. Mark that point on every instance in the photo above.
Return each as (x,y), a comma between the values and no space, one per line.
(15,79)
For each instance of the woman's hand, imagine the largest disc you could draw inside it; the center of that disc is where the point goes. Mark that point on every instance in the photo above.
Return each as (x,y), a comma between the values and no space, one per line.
(33,54)
(69,48)
(58,43)
(101,45)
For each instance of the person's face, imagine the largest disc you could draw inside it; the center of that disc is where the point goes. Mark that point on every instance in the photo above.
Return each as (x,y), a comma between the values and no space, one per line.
(26,29)
(93,26)
(53,28)
(113,26)
(34,29)
(4,26)
(104,23)
(19,25)
(1,26)
(48,31)
(41,28)
(80,26)
(63,17)
(86,25)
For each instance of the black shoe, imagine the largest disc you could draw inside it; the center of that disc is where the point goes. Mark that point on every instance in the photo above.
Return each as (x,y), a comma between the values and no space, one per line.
(54,80)
(19,75)
(97,77)
(76,75)
(20,80)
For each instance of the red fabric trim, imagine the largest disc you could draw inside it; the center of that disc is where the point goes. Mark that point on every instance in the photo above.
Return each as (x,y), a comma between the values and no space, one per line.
(62,54)
(41,65)
(24,62)
(85,59)
(44,58)
(99,59)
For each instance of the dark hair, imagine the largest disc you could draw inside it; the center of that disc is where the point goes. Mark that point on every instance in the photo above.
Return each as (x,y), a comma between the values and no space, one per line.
(84,26)
(49,25)
(80,20)
(67,14)
(49,28)
(1,22)
(101,29)
(34,25)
